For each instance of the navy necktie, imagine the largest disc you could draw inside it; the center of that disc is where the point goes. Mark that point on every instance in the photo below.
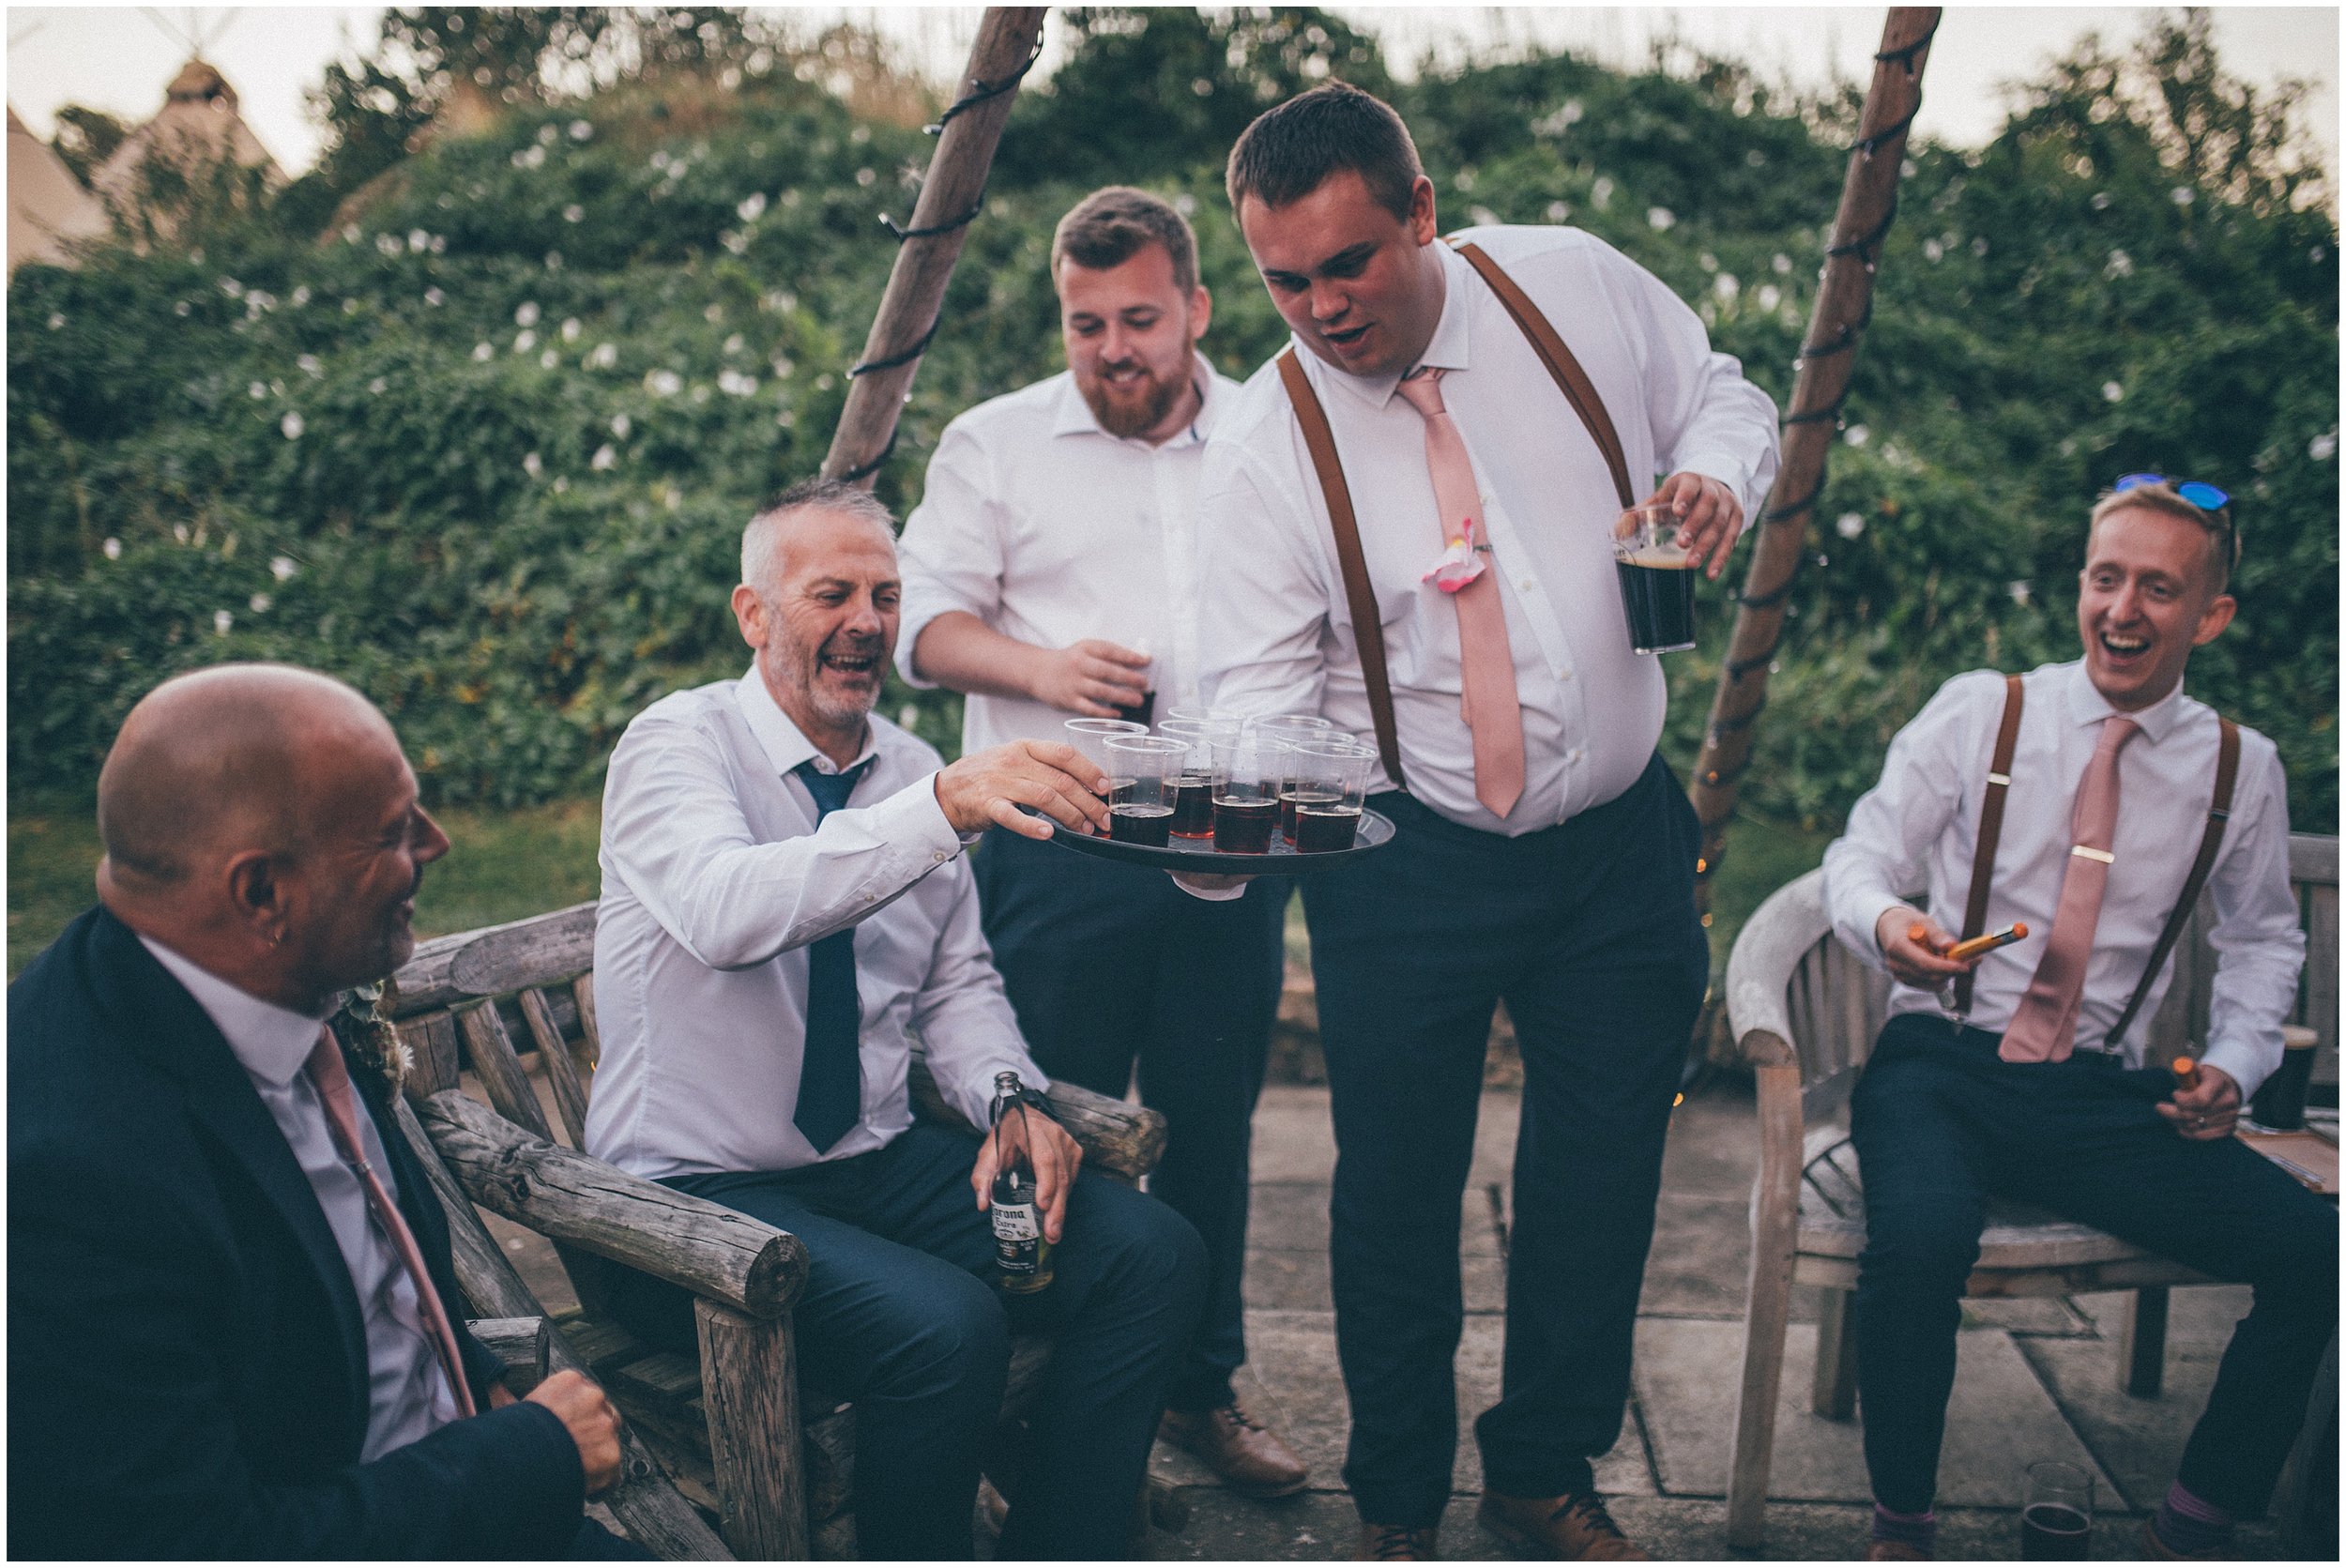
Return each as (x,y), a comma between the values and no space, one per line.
(830,1071)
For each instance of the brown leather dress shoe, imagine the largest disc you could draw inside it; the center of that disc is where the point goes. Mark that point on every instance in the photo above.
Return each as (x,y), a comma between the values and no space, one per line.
(1242,1451)
(1571,1528)
(1894,1551)
(1396,1543)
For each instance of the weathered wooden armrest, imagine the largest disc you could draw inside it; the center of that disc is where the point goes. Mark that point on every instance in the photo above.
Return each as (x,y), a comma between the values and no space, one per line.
(1115,1135)
(711,1250)
(522,1344)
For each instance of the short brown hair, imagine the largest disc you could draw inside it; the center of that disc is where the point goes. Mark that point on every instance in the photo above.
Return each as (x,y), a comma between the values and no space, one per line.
(1288,151)
(2223,539)
(1110,226)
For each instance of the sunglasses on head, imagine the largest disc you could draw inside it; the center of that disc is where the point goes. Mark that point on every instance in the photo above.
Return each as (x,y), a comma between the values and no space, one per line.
(2200,494)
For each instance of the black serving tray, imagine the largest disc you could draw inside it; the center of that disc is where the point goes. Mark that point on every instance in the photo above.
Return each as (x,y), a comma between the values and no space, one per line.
(1376,831)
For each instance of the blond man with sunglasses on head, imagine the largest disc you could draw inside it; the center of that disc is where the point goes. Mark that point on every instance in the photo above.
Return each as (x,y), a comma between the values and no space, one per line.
(2071,800)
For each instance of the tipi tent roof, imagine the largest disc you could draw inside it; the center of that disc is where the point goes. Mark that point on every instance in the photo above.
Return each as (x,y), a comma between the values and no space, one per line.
(47,205)
(198,126)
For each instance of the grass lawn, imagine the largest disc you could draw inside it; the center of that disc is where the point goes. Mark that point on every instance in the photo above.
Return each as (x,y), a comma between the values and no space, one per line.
(508,864)
(502,865)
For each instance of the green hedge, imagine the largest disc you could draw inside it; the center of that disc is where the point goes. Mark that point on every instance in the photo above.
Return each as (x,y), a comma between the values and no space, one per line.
(484,448)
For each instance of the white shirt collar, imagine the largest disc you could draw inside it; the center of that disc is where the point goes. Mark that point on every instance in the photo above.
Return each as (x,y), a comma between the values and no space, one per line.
(272,1043)
(2087,706)
(1073,415)
(1449,349)
(785,744)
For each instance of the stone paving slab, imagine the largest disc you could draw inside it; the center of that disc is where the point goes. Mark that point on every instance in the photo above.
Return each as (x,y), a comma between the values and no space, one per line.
(2000,1419)
(2139,1441)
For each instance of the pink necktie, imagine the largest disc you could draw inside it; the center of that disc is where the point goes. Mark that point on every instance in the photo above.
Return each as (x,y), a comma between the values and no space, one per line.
(2044,1027)
(341,1113)
(1486,694)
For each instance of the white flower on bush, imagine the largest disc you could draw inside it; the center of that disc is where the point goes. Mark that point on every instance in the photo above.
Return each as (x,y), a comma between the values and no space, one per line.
(621,425)
(282,566)
(1484,217)
(549,359)
(387,244)
(581,131)
(533,466)
(554,261)
(1856,436)
(531,156)
(525,315)
(714,315)
(258,391)
(260,603)
(1725,286)
(547,135)
(2112,392)
(604,356)
(111,549)
(1979,245)
(2019,590)
(1932,250)
(571,330)
(736,383)
(1602,191)
(735,343)
(2324,447)
(1769,296)
(221,621)
(1780,263)
(605,458)
(484,352)
(418,241)
(662,384)
(377,386)
(179,532)
(291,424)
(1849,525)
(1659,217)
(301,295)
(181,308)
(573,213)
(433,297)
(2121,266)
(865,176)
(2100,201)
(752,206)
(307,364)
(1559,212)
(2183,195)
(524,341)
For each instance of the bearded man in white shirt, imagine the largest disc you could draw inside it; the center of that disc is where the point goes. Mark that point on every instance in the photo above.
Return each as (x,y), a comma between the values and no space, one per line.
(1544,855)
(2019,1074)
(785,906)
(1050,572)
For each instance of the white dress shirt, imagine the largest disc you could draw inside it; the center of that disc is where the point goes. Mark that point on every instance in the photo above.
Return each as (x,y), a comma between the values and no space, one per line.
(715,879)
(1277,630)
(1050,530)
(1920,825)
(407,1394)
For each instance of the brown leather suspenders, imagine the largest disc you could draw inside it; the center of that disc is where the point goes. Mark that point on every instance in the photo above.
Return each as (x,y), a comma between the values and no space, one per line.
(1991,829)
(2211,840)
(1368,633)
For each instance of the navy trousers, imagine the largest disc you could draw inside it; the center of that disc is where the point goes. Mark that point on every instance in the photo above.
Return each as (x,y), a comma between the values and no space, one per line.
(1587,932)
(1942,1125)
(1110,965)
(898,1317)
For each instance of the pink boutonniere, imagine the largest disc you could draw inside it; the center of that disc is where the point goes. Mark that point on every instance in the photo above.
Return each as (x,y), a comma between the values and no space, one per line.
(1459,564)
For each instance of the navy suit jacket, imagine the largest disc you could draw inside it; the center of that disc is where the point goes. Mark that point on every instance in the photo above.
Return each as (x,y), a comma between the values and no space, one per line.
(186,1366)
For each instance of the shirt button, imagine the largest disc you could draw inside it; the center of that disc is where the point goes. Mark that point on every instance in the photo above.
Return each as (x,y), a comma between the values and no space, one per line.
(1564,674)
(1526,584)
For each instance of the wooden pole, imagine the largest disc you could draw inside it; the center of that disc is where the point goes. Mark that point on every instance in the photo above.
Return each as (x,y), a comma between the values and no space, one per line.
(1827,356)
(952,194)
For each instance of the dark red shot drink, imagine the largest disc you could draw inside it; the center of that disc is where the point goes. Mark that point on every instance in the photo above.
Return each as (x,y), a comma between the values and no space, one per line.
(1192,806)
(1293,800)
(1321,827)
(1137,823)
(1243,826)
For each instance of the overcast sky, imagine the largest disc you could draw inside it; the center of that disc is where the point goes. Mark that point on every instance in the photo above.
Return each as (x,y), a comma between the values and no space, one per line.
(120,58)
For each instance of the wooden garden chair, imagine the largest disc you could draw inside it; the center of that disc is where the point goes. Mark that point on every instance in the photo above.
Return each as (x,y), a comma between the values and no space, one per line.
(1804,1014)
(743,1440)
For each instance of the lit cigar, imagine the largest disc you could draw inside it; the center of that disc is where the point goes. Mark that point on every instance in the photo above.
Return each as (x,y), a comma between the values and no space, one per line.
(2187,1074)
(1989,943)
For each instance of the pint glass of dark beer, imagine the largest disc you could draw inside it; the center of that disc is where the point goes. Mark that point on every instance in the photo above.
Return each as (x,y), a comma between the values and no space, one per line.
(1657,580)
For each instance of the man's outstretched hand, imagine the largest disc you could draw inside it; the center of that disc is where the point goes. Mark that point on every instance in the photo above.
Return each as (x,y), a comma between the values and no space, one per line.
(986,789)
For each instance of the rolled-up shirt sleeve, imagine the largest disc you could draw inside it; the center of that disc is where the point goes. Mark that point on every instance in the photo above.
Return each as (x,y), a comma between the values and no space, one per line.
(2259,946)
(1884,854)
(950,554)
(673,831)
(1706,417)
(964,1017)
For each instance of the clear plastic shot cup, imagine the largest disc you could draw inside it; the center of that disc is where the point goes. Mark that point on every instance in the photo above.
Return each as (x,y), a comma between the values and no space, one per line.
(1141,810)
(1322,810)
(1246,795)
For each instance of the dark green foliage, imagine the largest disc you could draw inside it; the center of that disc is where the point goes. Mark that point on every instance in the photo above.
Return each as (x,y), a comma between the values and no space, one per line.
(716,222)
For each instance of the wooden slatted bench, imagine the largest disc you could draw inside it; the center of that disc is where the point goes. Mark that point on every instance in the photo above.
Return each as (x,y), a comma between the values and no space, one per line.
(771,1460)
